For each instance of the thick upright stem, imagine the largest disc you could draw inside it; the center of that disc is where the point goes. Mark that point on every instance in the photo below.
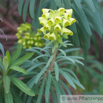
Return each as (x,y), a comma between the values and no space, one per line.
(52,62)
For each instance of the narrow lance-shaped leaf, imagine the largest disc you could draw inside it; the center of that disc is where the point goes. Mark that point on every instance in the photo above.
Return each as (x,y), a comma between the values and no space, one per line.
(56,70)
(8,56)
(25,8)
(19,69)
(5,63)
(15,54)
(2,49)
(48,84)
(66,76)
(32,8)
(41,91)
(44,69)
(22,86)
(6,81)
(8,97)
(23,59)
(20,6)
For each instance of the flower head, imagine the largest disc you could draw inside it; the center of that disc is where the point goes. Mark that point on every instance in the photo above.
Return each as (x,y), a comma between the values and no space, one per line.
(27,37)
(55,24)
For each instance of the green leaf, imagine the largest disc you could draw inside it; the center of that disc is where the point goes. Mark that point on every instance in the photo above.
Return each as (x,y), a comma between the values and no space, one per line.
(8,97)
(79,62)
(90,5)
(66,88)
(70,71)
(76,82)
(56,70)
(25,8)
(44,69)
(37,14)
(15,54)
(19,69)
(66,76)
(41,91)
(32,8)
(22,86)
(65,58)
(53,5)
(5,63)
(6,81)
(58,3)
(20,6)
(35,66)
(2,49)
(48,84)
(44,55)
(23,59)
(16,97)
(62,51)
(8,55)
(62,90)
(82,16)
(53,95)
(55,84)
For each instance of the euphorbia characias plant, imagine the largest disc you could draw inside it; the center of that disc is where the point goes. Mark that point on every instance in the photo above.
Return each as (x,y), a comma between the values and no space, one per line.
(52,61)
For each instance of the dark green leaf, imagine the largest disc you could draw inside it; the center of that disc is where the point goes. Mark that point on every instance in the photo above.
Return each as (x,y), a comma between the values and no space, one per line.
(25,8)
(2,49)
(22,86)
(41,91)
(48,84)
(19,69)
(23,59)
(6,80)
(20,6)
(15,54)
(32,8)
(8,97)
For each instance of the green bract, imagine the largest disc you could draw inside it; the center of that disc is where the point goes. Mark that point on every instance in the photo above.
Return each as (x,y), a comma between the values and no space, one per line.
(55,22)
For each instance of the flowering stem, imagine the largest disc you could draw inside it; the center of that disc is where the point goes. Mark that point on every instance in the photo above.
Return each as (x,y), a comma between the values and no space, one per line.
(52,62)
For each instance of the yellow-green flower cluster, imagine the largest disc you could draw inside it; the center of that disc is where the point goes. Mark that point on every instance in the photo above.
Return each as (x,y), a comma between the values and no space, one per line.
(27,37)
(55,22)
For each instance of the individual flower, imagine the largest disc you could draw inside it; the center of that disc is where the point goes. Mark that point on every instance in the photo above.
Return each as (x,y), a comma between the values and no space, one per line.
(57,28)
(58,20)
(42,20)
(67,31)
(71,20)
(46,36)
(52,36)
(47,27)
(67,16)
(51,22)
(61,10)
(66,23)
(69,11)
